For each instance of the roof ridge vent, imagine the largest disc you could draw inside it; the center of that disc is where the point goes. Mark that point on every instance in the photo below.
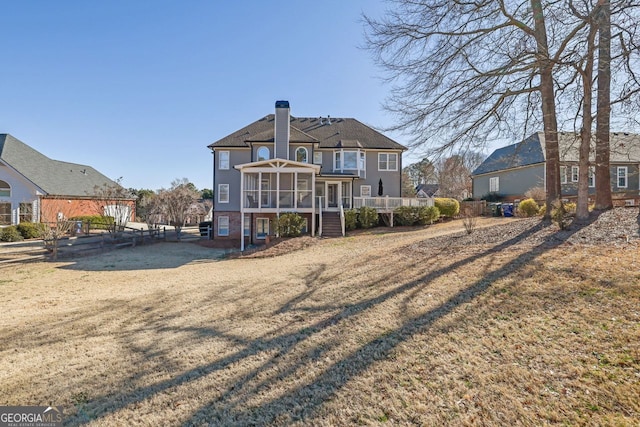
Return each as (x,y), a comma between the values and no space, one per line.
(328,119)
(320,118)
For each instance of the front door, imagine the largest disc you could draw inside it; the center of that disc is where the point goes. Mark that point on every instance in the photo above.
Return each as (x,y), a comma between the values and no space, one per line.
(332,195)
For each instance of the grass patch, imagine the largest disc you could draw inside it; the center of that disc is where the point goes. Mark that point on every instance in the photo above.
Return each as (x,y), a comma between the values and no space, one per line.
(402,331)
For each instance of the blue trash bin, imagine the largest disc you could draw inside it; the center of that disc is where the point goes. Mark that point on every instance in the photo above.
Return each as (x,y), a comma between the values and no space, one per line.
(507,209)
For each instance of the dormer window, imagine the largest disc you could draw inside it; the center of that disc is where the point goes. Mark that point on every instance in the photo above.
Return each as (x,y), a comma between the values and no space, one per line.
(263,153)
(302,155)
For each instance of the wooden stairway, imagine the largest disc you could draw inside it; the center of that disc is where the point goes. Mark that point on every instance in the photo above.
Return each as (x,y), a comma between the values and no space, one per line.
(331,226)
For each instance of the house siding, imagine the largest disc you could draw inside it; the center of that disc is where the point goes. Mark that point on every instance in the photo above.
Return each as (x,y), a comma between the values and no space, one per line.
(633,181)
(230,176)
(512,183)
(22,191)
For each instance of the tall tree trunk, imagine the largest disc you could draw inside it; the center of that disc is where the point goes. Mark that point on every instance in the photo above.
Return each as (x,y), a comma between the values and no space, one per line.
(552,153)
(582,208)
(603,147)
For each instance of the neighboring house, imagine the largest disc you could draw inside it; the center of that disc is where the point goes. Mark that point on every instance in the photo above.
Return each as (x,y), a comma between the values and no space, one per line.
(510,171)
(309,165)
(32,184)
(427,190)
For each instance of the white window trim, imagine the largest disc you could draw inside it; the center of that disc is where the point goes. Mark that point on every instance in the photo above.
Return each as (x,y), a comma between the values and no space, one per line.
(494,184)
(317,157)
(221,155)
(258,153)
(575,173)
(563,174)
(5,187)
(221,221)
(306,154)
(387,156)
(258,221)
(364,193)
(247,226)
(592,177)
(220,192)
(626,176)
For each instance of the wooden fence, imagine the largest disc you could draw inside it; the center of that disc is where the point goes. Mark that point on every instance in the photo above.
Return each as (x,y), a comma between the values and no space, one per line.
(473,208)
(80,244)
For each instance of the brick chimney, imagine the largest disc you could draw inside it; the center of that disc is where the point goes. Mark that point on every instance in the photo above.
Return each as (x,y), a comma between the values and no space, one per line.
(282,130)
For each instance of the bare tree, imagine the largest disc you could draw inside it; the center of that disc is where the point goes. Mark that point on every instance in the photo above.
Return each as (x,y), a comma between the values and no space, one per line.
(55,214)
(469,72)
(603,143)
(465,73)
(113,201)
(454,174)
(176,202)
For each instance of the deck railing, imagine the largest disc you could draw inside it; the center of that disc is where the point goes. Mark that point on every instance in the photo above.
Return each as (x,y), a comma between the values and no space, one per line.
(390,203)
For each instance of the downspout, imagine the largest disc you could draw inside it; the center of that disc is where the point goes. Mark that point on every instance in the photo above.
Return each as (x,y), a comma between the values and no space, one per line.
(213,195)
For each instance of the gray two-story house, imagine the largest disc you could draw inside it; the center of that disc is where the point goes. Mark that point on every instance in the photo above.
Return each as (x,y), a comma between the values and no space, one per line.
(511,171)
(315,166)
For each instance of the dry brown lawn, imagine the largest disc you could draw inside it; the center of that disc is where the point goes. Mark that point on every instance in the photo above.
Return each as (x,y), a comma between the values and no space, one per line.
(400,328)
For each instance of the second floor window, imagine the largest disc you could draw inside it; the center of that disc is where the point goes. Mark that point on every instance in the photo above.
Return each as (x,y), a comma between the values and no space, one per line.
(302,155)
(223,193)
(387,161)
(563,174)
(223,158)
(349,160)
(317,157)
(574,173)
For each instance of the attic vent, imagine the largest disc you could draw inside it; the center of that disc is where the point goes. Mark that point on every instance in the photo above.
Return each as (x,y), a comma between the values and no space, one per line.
(328,120)
(320,119)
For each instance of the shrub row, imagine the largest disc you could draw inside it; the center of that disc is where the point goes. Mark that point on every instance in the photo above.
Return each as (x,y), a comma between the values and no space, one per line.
(419,215)
(449,208)
(98,222)
(24,230)
(10,234)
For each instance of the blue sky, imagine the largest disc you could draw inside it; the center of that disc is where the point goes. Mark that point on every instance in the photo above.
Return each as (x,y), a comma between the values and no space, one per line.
(138,89)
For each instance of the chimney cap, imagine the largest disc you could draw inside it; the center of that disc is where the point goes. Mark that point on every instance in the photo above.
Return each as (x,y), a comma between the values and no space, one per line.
(282,104)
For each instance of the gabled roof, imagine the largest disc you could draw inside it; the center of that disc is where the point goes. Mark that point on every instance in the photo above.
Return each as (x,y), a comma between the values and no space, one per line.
(427,190)
(339,133)
(625,147)
(51,176)
(278,163)
(527,152)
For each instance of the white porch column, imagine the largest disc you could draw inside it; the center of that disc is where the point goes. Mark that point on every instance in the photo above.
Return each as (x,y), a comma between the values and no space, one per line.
(278,193)
(313,205)
(241,211)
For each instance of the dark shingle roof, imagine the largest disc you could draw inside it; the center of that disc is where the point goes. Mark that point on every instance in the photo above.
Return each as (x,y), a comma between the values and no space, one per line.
(625,147)
(527,152)
(340,133)
(51,176)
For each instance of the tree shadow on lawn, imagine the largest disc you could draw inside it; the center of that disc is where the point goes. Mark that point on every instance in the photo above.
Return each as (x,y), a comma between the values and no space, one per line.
(162,255)
(301,402)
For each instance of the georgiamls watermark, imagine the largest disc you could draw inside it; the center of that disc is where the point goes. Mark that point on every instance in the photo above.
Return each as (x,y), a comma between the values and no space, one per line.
(31,416)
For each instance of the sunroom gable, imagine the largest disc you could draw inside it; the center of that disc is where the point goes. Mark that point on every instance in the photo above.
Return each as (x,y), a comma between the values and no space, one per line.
(278,165)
